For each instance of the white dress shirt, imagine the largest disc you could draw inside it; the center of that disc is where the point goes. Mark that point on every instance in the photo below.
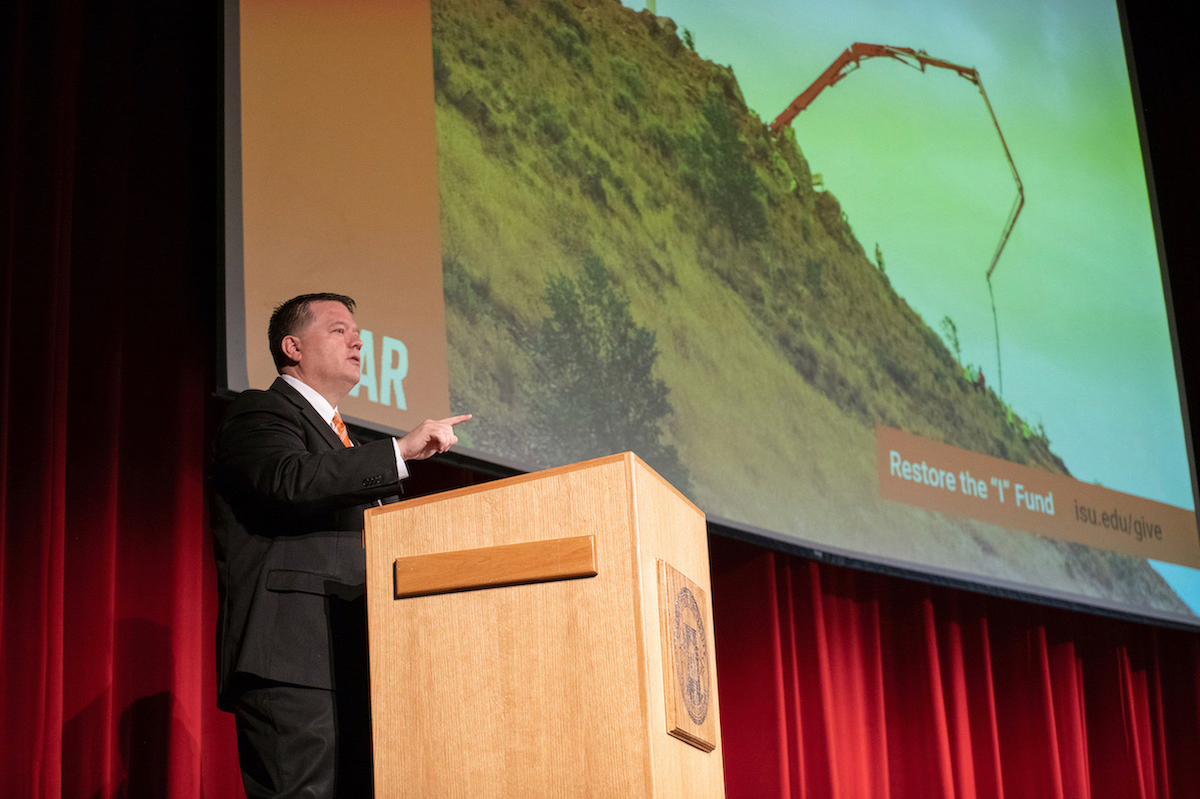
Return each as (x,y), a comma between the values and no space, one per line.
(326,412)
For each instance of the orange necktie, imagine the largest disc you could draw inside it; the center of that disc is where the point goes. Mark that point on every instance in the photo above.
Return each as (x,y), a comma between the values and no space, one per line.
(340,427)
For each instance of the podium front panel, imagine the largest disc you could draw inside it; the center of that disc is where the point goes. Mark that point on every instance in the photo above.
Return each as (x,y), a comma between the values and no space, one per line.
(551,687)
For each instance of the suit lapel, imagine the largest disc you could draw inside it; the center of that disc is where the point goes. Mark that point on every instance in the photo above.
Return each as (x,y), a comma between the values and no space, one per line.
(309,412)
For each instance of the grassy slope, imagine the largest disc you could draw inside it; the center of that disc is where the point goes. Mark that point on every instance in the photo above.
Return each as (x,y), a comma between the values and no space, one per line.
(572,127)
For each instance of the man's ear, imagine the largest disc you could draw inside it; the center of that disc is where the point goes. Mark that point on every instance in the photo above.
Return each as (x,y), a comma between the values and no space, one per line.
(291,348)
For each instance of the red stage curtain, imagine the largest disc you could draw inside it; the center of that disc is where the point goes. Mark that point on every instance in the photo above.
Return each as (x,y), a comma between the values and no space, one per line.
(108,214)
(842,683)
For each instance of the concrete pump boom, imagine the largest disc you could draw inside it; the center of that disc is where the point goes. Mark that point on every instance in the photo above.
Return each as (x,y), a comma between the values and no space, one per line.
(847,62)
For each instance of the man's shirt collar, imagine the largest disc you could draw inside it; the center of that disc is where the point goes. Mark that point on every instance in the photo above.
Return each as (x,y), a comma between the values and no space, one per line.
(319,403)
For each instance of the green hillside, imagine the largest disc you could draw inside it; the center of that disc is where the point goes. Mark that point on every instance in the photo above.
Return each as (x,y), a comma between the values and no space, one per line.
(630,255)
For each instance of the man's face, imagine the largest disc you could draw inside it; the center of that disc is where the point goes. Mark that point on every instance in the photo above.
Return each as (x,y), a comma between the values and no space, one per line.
(327,352)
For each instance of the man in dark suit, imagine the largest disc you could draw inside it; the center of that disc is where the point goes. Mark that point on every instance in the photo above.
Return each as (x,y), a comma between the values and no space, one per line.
(290,490)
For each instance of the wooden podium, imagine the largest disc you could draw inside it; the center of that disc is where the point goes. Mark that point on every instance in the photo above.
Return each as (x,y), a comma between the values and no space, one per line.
(548,635)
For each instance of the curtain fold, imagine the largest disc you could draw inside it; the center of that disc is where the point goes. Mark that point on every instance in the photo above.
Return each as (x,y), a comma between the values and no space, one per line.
(842,683)
(36,173)
(108,214)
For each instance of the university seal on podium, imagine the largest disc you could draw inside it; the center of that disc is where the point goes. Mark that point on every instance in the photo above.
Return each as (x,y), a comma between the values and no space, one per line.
(688,687)
(691,655)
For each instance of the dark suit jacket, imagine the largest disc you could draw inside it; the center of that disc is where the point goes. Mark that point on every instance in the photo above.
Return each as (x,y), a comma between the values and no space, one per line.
(287,522)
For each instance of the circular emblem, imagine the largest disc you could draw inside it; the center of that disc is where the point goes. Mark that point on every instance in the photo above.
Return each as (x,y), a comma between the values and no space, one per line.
(691,655)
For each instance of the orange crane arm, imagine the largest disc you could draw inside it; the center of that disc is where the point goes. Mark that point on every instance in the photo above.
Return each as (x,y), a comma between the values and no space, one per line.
(849,60)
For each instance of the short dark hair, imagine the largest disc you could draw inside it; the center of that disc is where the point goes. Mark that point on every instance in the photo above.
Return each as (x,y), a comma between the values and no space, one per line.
(291,317)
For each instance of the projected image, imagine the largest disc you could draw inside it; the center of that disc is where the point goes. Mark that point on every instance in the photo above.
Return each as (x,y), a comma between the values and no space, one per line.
(834,328)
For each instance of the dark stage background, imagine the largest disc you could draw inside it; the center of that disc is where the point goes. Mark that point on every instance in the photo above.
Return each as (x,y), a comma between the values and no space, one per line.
(834,682)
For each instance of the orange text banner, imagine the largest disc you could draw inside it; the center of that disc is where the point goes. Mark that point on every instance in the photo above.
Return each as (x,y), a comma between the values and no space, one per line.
(956,482)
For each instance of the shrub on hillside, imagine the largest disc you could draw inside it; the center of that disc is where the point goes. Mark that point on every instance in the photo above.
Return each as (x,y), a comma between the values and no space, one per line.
(598,393)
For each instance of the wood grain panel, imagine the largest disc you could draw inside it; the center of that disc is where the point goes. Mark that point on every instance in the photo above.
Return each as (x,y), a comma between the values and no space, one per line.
(543,688)
(493,567)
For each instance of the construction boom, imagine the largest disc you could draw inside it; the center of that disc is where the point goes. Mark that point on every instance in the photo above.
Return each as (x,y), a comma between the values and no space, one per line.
(847,62)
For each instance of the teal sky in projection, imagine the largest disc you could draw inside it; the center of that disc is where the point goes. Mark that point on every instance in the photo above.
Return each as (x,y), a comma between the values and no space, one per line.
(918,167)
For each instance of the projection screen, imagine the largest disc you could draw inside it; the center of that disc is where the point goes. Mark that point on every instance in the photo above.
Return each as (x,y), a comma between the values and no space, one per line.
(875,280)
